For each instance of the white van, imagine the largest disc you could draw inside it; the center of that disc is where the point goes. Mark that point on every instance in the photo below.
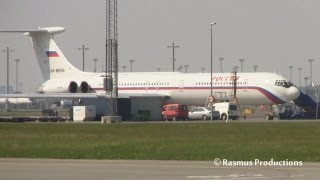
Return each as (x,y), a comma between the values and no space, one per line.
(228,110)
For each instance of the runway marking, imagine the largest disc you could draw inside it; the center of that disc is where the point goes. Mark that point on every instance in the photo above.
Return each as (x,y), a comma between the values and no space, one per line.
(123,163)
(104,164)
(240,176)
(227,176)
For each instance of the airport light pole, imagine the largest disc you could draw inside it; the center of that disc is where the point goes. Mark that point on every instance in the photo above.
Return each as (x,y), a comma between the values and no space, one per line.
(317,99)
(299,76)
(316,90)
(173,59)
(95,64)
(17,74)
(291,67)
(255,68)
(7,51)
(221,59)
(186,68)
(211,58)
(102,66)
(124,68)
(131,63)
(20,86)
(83,48)
(241,64)
(310,60)
(306,81)
(235,68)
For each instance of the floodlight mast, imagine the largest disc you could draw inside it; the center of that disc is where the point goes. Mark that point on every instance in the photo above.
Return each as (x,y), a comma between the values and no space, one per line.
(111,84)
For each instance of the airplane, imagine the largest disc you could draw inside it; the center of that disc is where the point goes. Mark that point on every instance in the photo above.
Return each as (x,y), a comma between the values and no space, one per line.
(62,79)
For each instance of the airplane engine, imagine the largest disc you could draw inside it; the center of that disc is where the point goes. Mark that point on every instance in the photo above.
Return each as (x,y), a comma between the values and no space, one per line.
(84,87)
(58,87)
(73,86)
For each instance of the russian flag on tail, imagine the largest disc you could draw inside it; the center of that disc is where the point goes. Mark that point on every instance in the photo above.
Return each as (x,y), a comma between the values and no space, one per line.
(52,54)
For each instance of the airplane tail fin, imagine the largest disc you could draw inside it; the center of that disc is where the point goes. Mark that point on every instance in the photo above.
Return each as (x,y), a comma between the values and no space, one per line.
(52,62)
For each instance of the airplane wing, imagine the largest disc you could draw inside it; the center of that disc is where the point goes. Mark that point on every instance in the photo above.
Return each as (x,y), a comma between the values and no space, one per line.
(79,95)
(52,95)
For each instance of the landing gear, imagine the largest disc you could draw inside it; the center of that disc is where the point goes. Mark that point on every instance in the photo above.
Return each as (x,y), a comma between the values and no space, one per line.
(224,117)
(269,117)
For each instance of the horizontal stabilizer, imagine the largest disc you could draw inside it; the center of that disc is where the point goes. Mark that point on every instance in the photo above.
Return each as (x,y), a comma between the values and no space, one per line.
(50,30)
(79,95)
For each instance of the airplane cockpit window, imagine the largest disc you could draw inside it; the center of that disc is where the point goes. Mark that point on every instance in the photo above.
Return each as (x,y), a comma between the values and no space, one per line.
(283,83)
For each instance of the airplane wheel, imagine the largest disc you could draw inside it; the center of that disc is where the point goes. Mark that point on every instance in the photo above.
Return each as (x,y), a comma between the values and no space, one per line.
(268,117)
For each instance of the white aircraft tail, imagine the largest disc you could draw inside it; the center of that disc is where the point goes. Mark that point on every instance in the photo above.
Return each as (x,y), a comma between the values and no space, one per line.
(52,62)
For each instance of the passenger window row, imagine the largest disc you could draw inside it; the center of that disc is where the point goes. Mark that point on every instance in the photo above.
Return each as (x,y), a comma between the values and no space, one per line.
(144,84)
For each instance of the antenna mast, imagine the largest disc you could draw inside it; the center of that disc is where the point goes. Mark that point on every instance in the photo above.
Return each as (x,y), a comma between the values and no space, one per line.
(111,84)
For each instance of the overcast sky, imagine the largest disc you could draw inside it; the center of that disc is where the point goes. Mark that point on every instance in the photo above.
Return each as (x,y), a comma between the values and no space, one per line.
(273,34)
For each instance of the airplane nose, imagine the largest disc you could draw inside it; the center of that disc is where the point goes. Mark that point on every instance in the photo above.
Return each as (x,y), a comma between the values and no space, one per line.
(293,93)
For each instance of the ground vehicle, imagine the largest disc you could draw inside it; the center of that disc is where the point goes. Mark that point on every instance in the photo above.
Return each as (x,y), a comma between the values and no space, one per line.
(174,112)
(291,111)
(286,111)
(228,110)
(203,113)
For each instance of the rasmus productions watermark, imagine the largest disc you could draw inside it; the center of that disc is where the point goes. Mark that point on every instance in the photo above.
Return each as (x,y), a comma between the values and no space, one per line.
(257,162)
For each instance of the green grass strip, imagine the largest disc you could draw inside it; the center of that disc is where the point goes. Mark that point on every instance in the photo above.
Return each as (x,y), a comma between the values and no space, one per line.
(171,141)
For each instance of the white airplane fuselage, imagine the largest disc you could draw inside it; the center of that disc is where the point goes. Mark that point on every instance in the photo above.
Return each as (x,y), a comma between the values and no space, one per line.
(189,88)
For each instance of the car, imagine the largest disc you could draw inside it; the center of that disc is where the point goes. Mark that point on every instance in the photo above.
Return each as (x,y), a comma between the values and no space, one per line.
(228,110)
(175,112)
(203,113)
